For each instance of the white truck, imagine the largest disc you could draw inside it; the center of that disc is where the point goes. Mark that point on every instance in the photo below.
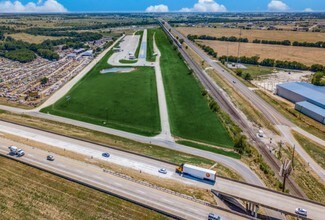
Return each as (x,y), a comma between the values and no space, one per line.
(198,172)
(15,151)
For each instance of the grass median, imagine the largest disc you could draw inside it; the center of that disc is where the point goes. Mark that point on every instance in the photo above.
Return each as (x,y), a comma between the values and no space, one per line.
(125,101)
(189,113)
(150,49)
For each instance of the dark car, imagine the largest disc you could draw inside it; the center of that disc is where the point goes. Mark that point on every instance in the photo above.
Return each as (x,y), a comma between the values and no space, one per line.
(50,157)
(213,217)
(106,154)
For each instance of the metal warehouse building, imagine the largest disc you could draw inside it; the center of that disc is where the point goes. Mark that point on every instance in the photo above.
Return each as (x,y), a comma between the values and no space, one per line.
(309,99)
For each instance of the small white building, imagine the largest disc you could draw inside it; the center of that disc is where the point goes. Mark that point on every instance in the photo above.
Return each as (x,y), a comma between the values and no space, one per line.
(88,53)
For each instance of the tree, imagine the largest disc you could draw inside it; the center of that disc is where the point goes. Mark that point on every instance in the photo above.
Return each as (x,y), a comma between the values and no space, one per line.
(318,79)
(44,80)
(239,72)
(248,77)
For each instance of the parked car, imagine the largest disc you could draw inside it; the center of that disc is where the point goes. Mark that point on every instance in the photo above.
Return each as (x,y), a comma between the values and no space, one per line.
(301,211)
(212,216)
(106,154)
(50,157)
(162,170)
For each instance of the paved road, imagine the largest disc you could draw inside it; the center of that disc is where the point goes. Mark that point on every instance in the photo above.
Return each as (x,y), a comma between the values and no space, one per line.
(267,110)
(275,200)
(163,110)
(95,176)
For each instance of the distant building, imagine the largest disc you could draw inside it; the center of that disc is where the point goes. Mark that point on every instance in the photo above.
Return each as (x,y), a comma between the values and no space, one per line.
(88,53)
(80,50)
(72,55)
(309,99)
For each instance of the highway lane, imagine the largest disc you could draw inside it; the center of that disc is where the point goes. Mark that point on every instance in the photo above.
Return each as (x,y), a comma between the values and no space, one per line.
(258,195)
(267,110)
(234,164)
(95,176)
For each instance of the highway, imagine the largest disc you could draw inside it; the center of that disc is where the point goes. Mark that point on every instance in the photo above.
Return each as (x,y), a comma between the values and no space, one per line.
(150,166)
(95,176)
(275,117)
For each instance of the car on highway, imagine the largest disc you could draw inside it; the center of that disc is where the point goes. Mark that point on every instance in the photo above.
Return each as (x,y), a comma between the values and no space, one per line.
(301,212)
(234,82)
(20,153)
(162,170)
(213,216)
(106,154)
(50,158)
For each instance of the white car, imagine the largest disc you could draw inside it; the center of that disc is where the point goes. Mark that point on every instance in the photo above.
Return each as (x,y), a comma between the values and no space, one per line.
(20,153)
(162,170)
(301,211)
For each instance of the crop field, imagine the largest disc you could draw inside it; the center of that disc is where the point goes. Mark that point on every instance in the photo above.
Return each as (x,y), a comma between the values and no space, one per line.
(32,38)
(125,101)
(306,55)
(256,34)
(189,113)
(28,193)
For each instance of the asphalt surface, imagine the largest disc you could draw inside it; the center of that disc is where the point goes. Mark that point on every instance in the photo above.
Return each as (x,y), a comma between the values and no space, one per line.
(95,176)
(258,195)
(275,117)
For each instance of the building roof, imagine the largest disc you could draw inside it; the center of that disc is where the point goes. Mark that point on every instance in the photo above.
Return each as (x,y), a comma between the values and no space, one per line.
(312,107)
(312,93)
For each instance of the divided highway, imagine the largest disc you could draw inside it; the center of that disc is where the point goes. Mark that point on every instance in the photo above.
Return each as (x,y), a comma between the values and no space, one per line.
(259,195)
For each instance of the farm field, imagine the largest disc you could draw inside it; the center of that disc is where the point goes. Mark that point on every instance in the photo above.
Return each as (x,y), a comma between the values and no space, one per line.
(303,55)
(32,38)
(255,34)
(189,113)
(28,193)
(125,101)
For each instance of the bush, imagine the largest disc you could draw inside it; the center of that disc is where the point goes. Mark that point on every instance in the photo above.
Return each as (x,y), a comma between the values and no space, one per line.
(318,79)
(21,55)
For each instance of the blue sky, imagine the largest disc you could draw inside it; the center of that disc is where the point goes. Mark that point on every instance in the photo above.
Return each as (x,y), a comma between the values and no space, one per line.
(162,5)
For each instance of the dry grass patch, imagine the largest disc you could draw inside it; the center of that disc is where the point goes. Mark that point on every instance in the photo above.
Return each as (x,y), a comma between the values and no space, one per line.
(303,55)
(32,38)
(28,193)
(255,34)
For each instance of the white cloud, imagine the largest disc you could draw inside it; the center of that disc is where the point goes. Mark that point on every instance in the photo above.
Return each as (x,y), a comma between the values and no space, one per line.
(157,8)
(308,10)
(31,7)
(206,6)
(277,5)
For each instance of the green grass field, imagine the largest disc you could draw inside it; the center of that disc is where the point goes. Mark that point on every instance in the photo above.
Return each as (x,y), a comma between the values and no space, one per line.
(139,45)
(125,101)
(150,50)
(28,193)
(189,112)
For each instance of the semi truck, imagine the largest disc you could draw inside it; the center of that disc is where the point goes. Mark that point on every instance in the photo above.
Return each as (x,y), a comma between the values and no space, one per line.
(198,172)
(15,151)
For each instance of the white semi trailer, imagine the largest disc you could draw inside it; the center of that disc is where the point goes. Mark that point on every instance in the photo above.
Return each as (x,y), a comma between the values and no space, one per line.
(198,172)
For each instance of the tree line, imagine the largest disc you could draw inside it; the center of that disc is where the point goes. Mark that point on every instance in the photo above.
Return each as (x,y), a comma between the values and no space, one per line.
(319,44)
(273,63)
(25,52)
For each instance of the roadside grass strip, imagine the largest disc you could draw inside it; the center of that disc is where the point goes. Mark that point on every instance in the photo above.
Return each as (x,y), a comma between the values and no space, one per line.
(189,113)
(210,149)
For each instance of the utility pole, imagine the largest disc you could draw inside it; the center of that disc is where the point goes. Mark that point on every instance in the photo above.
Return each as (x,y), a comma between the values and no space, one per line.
(238,52)
(285,171)
(293,155)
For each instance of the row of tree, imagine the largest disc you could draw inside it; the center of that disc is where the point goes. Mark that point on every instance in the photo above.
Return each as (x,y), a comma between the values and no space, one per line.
(209,50)
(273,63)
(319,44)
(223,38)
